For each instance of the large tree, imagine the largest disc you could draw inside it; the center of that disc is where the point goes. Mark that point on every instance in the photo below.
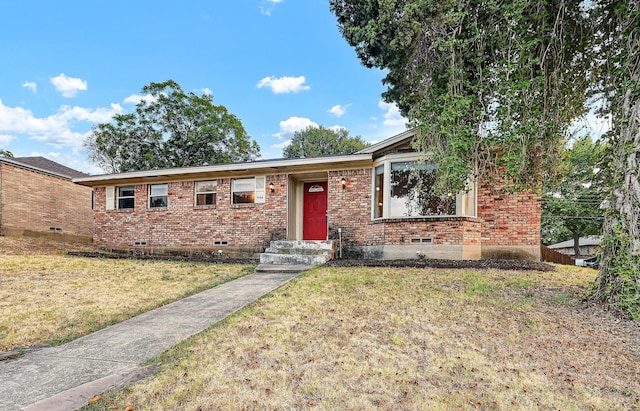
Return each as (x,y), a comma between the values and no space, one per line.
(170,128)
(571,207)
(495,84)
(491,84)
(322,141)
(618,281)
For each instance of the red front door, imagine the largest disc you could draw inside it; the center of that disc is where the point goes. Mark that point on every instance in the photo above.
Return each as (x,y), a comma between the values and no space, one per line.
(314,215)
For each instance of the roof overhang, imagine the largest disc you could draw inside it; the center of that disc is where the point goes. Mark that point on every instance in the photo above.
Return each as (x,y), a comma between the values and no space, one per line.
(10,161)
(246,169)
(389,143)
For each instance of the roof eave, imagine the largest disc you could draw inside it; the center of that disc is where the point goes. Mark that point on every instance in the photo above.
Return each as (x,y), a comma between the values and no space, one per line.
(30,167)
(227,170)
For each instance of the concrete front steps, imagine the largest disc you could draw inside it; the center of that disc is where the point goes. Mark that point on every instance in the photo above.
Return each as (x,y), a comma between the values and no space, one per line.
(292,252)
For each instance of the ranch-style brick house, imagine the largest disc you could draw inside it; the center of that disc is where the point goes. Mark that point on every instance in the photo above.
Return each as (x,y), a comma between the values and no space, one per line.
(376,203)
(38,199)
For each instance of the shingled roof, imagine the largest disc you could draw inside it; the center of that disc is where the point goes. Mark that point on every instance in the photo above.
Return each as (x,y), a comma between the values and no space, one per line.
(44,165)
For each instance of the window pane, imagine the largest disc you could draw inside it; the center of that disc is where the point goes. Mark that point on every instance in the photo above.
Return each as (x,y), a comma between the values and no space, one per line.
(243,190)
(242,197)
(206,186)
(126,191)
(379,194)
(244,184)
(413,191)
(160,201)
(206,199)
(126,202)
(158,189)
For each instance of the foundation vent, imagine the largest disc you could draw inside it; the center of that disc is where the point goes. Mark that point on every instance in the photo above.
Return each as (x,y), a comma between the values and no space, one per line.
(427,240)
(221,242)
(141,243)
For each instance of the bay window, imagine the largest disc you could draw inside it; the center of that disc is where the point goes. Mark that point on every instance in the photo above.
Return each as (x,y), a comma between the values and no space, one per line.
(404,186)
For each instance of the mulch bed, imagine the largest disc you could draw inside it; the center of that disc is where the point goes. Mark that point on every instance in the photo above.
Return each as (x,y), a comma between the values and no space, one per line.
(195,259)
(428,263)
(416,263)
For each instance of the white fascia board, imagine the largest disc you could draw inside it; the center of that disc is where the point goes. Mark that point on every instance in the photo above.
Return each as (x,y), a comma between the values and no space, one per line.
(104,179)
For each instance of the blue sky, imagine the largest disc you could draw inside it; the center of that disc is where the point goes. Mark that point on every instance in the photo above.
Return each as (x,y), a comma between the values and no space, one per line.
(279,65)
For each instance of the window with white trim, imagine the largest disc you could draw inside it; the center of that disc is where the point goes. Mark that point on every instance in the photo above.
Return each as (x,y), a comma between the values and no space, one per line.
(158,195)
(404,186)
(206,192)
(248,190)
(126,196)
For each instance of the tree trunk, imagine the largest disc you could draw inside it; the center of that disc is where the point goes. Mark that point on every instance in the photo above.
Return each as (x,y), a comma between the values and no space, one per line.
(576,245)
(618,280)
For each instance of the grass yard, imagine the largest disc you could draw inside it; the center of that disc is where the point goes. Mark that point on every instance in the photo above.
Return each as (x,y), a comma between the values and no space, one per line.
(405,339)
(47,297)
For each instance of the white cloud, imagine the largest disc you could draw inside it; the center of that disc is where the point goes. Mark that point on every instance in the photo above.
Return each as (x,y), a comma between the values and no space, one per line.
(31,85)
(136,98)
(5,139)
(57,130)
(267,6)
(284,84)
(337,128)
(392,116)
(68,86)
(206,91)
(293,124)
(338,110)
(281,145)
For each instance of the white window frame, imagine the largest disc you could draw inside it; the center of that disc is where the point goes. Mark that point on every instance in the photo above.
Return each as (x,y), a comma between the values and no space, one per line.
(155,196)
(251,184)
(204,184)
(114,195)
(464,207)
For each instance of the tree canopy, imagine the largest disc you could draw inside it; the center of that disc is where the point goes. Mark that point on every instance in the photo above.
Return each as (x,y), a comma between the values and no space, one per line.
(571,206)
(490,84)
(170,128)
(6,153)
(495,85)
(322,141)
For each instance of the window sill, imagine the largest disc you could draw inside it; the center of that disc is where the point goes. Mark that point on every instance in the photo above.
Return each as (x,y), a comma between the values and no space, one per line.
(205,207)
(424,218)
(244,205)
(121,210)
(157,209)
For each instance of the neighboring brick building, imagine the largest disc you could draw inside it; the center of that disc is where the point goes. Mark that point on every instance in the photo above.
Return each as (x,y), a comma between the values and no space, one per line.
(376,203)
(38,198)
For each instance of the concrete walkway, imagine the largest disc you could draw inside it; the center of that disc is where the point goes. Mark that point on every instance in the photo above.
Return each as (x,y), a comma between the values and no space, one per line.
(67,376)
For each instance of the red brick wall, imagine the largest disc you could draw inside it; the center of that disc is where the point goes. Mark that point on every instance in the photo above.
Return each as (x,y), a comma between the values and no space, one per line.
(34,201)
(182,224)
(510,220)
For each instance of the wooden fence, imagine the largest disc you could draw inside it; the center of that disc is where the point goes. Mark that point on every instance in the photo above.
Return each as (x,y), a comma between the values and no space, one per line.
(552,256)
